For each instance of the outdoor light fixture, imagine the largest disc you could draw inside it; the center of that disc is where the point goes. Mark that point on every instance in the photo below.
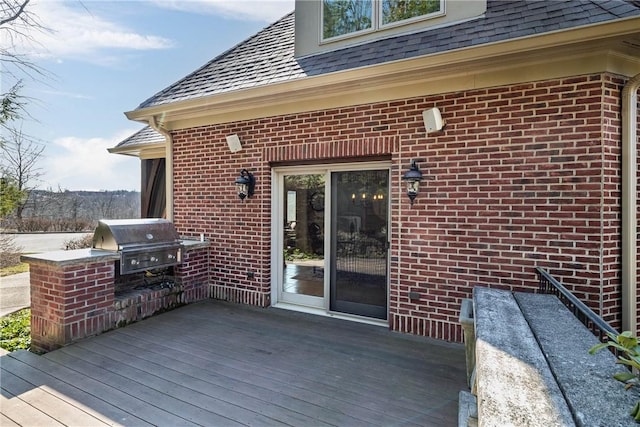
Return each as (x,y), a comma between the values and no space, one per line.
(412,178)
(245,184)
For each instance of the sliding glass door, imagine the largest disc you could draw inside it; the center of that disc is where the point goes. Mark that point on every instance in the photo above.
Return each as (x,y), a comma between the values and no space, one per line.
(359,223)
(303,239)
(332,238)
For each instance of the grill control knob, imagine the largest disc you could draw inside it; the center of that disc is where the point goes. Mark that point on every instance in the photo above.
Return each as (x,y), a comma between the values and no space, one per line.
(171,256)
(154,259)
(135,262)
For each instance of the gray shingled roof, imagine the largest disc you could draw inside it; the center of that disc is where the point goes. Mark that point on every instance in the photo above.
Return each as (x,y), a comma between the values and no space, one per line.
(144,136)
(265,58)
(268,57)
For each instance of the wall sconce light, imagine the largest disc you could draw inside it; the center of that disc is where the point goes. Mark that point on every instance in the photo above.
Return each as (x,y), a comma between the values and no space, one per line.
(412,178)
(245,184)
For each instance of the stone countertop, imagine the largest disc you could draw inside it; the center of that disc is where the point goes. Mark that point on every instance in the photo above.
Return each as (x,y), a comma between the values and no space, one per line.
(77,256)
(82,256)
(192,244)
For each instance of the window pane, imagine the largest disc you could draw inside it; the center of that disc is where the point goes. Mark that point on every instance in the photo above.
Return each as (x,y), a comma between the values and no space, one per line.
(303,238)
(342,17)
(399,10)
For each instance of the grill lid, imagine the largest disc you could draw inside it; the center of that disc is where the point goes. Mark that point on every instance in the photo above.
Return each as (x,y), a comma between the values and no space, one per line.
(119,234)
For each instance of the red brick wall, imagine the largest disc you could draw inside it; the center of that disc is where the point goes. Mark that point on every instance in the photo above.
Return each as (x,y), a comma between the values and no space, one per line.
(69,302)
(193,274)
(522,176)
(77,298)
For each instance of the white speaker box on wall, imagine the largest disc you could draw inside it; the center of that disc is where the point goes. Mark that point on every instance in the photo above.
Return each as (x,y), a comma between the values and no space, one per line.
(234,143)
(433,121)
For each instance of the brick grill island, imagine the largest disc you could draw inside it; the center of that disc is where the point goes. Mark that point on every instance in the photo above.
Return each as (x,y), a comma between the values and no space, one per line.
(74,294)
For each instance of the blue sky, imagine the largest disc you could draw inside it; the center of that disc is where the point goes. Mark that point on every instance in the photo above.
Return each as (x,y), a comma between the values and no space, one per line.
(103,58)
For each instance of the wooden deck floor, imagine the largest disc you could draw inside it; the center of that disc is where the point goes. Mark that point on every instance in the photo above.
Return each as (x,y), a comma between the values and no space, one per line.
(220,364)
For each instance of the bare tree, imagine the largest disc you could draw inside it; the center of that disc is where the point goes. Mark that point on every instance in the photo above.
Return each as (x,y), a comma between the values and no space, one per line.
(16,26)
(106,206)
(19,163)
(15,23)
(12,11)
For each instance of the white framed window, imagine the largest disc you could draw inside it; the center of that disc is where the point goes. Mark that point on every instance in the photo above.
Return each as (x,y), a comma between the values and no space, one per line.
(403,11)
(347,18)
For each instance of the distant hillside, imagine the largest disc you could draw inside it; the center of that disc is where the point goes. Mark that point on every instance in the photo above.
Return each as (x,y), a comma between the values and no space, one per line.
(74,210)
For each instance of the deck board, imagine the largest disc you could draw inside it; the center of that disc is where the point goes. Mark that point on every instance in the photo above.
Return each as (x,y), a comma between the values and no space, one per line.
(6,422)
(133,385)
(328,409)
(216,363)
(202,407)
(197,379)
(327,362)
(41,399)
(324,374)
(246,384)
(67,390)
(132,412)
(22,413)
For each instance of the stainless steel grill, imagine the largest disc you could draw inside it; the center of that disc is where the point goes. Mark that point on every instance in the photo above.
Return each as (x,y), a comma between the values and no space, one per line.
(144,244)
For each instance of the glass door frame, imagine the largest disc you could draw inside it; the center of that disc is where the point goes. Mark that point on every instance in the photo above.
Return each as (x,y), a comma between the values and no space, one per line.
(277,240)
(305,302)
(348,294)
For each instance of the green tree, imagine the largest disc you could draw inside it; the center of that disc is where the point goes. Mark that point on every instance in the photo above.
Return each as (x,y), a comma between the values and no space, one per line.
(11,104)
(10,197)
(342,17)
(19,164)
(399,10)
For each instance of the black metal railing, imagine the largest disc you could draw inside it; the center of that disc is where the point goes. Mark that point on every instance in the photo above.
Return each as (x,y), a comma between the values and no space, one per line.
(549,285)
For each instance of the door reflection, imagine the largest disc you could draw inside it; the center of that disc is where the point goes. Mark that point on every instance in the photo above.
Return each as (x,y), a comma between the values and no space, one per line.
(359,223)
(304,278)
(304,235)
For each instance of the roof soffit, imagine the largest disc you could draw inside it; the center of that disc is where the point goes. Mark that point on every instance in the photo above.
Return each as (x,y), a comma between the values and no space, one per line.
(142,150)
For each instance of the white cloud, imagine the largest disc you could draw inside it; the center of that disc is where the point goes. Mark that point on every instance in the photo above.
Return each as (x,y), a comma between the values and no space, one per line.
(67,94)
(252,10)
(73,163)
(76,32)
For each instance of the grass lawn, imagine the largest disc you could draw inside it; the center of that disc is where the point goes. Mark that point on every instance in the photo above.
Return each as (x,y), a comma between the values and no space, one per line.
(23,267)
(15,328)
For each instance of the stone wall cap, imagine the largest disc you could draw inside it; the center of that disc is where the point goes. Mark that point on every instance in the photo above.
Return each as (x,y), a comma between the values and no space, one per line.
(190,245)
(565,341)
(515,385)
(72,257)
(82,256)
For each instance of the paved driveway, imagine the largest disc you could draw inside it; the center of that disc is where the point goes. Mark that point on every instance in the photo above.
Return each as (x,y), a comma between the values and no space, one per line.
(44,242)
(14,289)
(14,293)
